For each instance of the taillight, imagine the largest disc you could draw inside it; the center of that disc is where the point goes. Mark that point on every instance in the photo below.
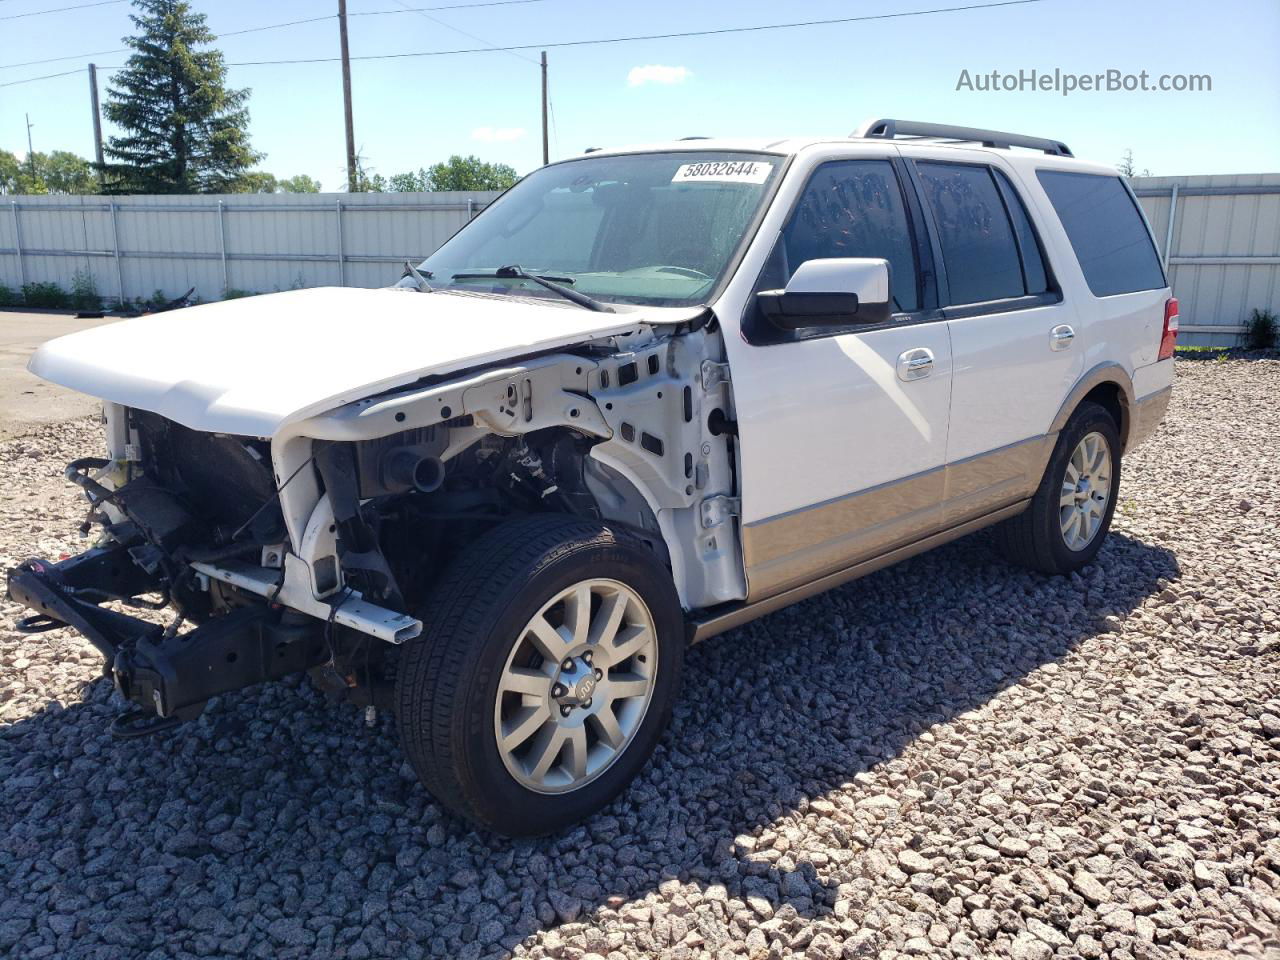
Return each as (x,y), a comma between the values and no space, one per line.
(1170,335)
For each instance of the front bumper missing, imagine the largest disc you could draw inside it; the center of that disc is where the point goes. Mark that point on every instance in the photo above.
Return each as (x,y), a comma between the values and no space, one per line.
(292,588)
(172,674)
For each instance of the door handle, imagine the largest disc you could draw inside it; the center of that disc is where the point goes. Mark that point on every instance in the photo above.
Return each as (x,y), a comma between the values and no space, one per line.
(1060,337)
(915,364)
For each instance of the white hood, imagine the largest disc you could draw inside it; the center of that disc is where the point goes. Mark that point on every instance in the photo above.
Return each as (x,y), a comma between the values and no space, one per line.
(249,366)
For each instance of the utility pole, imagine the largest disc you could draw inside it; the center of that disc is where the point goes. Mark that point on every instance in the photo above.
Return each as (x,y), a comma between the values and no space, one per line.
(31,152)
(546,154)
(97,114)
(352,186)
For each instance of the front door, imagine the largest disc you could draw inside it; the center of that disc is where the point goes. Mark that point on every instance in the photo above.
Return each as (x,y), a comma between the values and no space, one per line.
(842,439)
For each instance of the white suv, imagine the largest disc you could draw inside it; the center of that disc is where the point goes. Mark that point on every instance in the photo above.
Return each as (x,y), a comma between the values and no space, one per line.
(647,395)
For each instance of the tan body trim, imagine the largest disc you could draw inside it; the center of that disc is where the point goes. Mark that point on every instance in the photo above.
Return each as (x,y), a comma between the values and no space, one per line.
(784,552)
(708,624)
(813,549)
(1147,414)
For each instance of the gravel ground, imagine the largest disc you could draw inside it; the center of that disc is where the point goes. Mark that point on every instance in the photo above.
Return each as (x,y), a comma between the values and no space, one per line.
(948,758)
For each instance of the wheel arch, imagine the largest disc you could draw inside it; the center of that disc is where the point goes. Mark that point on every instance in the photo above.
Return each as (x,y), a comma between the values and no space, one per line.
(1109,386)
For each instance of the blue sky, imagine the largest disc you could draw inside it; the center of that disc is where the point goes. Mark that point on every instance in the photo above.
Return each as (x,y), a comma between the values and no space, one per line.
(814,80)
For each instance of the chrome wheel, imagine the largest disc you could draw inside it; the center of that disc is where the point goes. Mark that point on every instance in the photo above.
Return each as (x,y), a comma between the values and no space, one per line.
(1086,491)
(576,686)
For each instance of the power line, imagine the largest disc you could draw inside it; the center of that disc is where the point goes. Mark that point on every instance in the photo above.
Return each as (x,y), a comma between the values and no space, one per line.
(228,33)
(78,6)
(452,6)
(74,56)
(441,23)
(274,26)
(47,76)
(607,40)
(291,23)
(651,36)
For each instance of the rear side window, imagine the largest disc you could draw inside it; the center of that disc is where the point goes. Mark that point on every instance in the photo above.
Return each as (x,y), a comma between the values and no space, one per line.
(854,208)
(1106,232)
(978,246)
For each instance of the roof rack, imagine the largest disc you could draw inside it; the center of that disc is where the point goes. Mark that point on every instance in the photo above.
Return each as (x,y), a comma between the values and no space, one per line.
(889,129)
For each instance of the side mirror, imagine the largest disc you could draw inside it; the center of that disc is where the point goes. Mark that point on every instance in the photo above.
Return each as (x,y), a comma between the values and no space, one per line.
(833,292)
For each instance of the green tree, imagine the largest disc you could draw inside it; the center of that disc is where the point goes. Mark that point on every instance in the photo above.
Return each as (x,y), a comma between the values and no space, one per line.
(58,172)
(255,181)
(185,131)
(10,172)
(366,180)
(64,172)
(300,183)
(469,173)
(410,182)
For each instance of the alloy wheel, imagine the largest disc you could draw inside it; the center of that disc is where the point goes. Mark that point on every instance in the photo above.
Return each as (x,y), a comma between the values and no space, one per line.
(1086,491)
(576,686)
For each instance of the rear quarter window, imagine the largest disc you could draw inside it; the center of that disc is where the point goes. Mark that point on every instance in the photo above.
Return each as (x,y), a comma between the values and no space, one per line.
(1106,231)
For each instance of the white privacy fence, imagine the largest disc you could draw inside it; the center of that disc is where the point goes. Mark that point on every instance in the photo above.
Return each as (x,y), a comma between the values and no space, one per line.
(133,246)
(1219,237)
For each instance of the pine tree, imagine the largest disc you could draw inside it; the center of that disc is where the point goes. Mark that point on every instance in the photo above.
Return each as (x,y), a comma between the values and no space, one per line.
(184,130)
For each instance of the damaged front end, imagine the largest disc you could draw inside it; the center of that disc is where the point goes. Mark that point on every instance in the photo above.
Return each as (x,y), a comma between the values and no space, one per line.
(310,550)
(176,506)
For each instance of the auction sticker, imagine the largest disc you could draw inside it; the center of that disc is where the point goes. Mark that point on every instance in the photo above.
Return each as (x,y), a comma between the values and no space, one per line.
(723,171)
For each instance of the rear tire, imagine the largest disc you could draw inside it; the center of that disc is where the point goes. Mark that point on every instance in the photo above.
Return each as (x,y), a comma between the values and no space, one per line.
(497,730)
(1070,513)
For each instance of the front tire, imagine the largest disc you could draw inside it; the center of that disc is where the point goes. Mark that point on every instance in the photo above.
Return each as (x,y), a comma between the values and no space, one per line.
(549,660)
(1070,513)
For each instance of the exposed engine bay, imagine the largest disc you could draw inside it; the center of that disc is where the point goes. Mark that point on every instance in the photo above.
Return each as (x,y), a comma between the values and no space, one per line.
(313,549)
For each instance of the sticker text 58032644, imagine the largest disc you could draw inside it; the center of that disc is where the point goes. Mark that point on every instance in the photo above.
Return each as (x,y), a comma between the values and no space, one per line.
(723,171)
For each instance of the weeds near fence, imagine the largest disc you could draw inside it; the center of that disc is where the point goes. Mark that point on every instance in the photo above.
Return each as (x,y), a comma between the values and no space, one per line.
(45,294)
(1262,331)
(9,297)
(84,291)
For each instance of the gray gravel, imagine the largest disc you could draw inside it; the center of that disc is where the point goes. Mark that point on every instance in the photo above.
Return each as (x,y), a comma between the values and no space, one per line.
(949,758)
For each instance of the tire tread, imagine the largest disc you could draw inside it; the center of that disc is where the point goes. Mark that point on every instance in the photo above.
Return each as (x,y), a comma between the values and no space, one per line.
(1026,539)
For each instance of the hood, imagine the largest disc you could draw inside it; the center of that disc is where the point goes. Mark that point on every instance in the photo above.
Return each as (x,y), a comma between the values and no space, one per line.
(248,366)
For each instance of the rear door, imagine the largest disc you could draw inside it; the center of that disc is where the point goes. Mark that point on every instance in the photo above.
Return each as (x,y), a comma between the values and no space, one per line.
(1112,243)
(842,455)
(1015,340)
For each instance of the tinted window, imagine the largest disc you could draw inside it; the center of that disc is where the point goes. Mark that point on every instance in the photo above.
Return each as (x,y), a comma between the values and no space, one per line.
(1106,232)
(978,247)
(854,208)
(1034,276)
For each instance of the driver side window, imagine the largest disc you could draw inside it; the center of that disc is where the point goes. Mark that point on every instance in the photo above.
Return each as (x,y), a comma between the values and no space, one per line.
(855,208)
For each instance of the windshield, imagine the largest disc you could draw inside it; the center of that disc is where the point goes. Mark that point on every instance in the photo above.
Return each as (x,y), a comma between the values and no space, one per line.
(654,228)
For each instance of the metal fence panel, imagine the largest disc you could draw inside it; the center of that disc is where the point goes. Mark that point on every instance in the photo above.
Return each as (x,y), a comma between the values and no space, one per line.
(1220,239)
(134,246)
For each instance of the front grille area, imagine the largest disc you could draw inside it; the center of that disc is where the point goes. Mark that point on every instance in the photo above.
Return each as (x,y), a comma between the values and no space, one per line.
(225,481)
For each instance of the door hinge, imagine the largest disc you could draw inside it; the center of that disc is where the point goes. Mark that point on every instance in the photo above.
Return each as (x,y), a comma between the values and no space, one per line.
(716,510)
(713,374)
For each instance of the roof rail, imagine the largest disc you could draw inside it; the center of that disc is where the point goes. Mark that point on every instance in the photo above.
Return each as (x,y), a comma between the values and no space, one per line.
(889,129)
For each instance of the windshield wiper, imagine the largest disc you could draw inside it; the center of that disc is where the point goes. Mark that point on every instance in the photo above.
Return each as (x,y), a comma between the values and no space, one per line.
(554,284)
(411,271)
